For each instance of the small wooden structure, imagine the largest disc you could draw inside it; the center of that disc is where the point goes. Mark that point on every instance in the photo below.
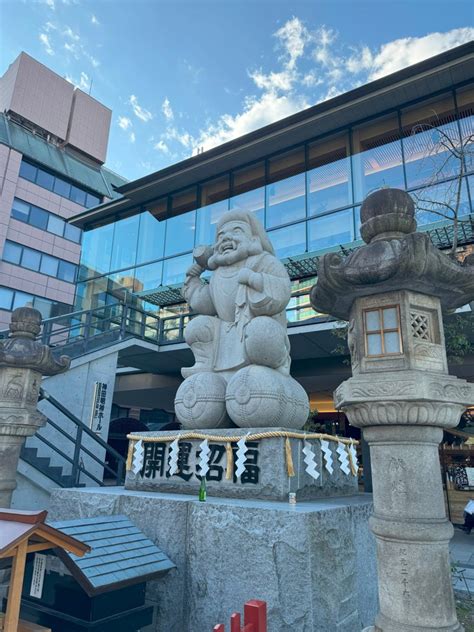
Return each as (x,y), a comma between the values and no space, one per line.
(23,532)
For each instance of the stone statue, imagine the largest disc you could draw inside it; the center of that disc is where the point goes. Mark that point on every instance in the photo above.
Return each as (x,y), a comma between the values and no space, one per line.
(239,340)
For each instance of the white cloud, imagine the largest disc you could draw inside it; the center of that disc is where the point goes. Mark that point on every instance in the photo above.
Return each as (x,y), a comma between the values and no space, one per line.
(132,137)
(324,38)
(124,122)
(293,37)
(256,113)
(84,82)
(183,138)
(94,20)
(44,39)
(68,32)
(162,146)
(410,50)
(141,113)
(167,110)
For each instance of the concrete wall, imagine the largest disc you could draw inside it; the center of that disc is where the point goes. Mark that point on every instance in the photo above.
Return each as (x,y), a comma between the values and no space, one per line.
(75,390)
(89,126)
(41,96)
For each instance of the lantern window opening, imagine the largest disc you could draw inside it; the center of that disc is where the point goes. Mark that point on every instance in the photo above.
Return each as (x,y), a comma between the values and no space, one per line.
(382,331)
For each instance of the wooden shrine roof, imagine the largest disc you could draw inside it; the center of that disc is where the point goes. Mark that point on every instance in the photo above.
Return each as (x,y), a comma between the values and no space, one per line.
(120,554)
(18,526)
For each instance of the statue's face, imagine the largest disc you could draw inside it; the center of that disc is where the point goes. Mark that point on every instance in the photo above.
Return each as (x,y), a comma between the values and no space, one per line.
(233,243)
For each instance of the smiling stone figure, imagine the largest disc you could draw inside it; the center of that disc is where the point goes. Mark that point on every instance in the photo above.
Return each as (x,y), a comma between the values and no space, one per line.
(239,339)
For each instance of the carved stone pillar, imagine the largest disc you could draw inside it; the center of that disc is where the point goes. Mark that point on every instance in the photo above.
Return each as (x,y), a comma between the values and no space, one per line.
(23,362)
(392,292)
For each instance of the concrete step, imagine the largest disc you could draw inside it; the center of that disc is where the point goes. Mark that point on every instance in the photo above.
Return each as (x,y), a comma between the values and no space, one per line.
(43,465)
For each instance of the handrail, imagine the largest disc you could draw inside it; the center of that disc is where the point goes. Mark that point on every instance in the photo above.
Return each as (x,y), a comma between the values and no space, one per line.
(82,428)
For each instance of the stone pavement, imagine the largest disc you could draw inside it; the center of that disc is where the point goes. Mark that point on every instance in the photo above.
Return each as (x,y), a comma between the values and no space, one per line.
(462,556)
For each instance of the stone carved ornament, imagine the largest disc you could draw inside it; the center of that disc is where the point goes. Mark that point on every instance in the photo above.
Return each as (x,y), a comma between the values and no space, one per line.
(21,350)
(239,339)
(395,258)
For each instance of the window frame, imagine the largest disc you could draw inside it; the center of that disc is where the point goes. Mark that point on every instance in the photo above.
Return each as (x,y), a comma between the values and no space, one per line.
(382,331)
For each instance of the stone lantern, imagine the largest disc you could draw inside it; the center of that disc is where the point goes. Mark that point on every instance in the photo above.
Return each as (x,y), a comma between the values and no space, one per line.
(393,291)
(23,362)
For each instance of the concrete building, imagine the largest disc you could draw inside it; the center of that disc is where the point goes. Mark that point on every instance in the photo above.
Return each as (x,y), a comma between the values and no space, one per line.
(53,144)
(305,177)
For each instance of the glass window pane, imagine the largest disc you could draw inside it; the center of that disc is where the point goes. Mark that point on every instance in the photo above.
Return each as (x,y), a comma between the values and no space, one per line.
(174,269)
(31,259)
(465,101)
(38,217)
(330,230)
(427,128)
(390,318)
(45,180)
(180,233)
(92,200)
(148,277)
(253,201)
(94,294)
(73,233)
(372,320)
(49,265)
(78,195)
(377,159)
(61,187)
(289,241)
(21,299)
(121,284)
(329,181)
(374,344)
(184,201)
(96,251)
(286,165)
(437,203)
(27,171)
(207,218)
(286,201)
(43,305)
(12,252)
(151,238)
(215,191)
(6,297)
(248,178)
(67,271)
(124,249)
(392,342)
(20,210)
(56,225)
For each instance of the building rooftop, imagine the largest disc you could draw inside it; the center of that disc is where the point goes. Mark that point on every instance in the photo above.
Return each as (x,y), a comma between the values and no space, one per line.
(120,554)
(410,85)
(61,160)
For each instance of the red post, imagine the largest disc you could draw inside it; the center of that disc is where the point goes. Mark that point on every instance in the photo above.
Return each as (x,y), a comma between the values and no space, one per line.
(255,615)
(218,628)
(235,622)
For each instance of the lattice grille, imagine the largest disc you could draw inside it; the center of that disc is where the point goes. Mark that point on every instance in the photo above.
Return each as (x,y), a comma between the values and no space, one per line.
(420,326)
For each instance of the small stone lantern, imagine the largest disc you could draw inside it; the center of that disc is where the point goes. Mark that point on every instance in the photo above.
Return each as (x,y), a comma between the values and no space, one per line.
(393,291)
(23,362)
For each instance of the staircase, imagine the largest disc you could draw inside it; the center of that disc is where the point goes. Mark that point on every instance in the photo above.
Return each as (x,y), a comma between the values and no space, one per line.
(43,465)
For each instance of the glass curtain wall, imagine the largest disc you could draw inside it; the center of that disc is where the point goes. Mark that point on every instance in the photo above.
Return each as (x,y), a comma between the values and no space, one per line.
(308,198)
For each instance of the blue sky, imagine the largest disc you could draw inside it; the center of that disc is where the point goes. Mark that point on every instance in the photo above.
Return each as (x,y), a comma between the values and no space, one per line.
(182,74)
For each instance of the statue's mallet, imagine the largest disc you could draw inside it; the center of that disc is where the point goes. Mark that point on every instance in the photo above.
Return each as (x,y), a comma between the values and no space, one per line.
(202,254)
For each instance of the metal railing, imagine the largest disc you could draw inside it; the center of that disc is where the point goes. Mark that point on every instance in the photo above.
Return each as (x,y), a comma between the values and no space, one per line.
(115,476)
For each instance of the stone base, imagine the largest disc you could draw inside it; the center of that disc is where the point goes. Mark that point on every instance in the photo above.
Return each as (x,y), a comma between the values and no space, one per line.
(266,475)
(313,563)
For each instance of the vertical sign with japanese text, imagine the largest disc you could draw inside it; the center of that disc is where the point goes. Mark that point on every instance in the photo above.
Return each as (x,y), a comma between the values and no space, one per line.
(98,407)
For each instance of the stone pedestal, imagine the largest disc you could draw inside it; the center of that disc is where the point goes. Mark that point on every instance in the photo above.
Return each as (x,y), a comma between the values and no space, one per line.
(313,563)
(402,415)
(265,475)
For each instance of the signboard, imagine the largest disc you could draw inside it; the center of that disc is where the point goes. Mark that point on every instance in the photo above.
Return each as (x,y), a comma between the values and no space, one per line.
(37,579)
(98,407)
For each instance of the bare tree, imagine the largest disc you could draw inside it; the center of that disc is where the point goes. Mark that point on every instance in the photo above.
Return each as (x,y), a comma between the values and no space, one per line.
(446,152)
